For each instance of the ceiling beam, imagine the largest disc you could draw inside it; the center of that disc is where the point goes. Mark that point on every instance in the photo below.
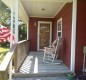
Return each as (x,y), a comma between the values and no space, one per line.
(50,0)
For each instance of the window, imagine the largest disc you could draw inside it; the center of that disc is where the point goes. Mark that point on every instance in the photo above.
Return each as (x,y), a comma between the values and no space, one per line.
(22,31)
(59,28)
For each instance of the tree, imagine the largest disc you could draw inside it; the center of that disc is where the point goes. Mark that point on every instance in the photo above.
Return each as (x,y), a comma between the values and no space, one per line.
(22,32)
(4,18)
(4,14)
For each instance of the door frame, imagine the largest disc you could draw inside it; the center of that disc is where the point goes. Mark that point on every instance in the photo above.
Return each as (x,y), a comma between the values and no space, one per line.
(49,22)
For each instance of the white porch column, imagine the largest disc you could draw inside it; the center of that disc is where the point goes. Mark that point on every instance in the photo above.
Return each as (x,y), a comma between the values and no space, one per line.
(73,35)
(10,65)
(16,20)
(11,24)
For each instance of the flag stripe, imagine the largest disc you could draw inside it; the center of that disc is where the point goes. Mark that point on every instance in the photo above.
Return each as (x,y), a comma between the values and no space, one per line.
(5,34)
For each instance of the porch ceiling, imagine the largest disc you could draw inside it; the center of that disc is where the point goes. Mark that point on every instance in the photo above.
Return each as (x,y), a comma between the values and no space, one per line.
(43,8)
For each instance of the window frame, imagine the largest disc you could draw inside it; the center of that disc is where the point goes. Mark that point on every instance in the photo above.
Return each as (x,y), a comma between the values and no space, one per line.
(59,31)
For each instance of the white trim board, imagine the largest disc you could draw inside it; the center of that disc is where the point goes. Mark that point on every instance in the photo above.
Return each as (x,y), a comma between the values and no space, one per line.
(73,35)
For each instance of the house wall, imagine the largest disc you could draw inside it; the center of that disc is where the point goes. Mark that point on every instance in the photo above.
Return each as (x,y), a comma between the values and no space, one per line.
(80,34)
(66,14)
(33,31)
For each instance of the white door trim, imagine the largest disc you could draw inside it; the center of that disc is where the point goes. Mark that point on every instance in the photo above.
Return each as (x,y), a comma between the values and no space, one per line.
(39,32)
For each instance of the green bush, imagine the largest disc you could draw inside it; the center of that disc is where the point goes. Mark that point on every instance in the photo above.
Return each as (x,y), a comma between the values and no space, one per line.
(5,44)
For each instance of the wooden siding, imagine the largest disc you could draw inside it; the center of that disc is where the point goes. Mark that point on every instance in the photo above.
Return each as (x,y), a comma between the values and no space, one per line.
(66,14)
(80,34)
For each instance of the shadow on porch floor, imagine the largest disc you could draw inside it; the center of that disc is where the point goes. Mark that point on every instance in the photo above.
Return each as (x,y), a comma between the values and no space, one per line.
(34,68)
(34,64)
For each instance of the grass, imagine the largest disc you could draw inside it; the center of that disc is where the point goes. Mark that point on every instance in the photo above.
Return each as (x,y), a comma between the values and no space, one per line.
(3,51)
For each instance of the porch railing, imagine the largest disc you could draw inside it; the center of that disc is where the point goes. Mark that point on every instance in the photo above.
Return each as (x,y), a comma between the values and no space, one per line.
(13,59)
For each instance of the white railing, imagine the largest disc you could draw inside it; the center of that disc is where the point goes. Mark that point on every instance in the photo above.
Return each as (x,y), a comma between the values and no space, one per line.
(14,57)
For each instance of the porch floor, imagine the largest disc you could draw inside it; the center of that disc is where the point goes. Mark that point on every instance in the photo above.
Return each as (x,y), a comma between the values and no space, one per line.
(34,64)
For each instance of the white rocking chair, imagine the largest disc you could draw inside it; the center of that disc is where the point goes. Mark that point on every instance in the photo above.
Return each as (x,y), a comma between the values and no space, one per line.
(51,52)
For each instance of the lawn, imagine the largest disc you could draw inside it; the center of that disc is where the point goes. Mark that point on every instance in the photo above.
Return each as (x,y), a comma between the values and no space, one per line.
(3,51)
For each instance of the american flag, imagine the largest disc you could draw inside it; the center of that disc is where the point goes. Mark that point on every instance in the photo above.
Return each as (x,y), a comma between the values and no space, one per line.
(5,34)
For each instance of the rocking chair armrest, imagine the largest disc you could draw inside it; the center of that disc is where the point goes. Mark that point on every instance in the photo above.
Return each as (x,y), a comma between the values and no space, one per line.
(49,49)
(48,52)
(50,46)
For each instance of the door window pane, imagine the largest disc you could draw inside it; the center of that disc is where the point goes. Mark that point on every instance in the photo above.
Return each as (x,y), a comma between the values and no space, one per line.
(44,35)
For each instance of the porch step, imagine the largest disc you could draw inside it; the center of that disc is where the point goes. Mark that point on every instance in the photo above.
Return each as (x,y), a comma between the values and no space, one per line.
(42,78)
(25,75)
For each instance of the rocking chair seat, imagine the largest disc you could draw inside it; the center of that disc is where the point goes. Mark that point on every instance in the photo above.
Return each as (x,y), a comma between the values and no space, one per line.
(50,52)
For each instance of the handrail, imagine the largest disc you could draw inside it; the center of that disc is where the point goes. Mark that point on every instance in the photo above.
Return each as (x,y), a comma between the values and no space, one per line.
(22,41)
(7,58)
(16,54)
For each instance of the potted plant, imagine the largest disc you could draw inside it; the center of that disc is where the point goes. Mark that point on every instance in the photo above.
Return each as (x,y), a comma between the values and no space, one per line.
(71,76)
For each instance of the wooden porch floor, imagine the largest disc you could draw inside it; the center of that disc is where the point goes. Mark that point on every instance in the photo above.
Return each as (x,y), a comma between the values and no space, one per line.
(34,64)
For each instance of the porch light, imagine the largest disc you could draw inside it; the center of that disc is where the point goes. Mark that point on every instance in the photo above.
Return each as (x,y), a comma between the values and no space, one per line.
(43,9)
(35,24)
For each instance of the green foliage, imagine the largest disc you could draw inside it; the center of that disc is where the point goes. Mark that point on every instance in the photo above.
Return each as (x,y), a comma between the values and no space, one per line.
(3,51)
(5,44)
(22,32)
(4,14)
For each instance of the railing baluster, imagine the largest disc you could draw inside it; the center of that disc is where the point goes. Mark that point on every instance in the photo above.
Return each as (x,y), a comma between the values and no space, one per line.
(10,70)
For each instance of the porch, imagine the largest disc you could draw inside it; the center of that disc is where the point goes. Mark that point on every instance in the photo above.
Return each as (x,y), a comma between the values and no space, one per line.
(33,67)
